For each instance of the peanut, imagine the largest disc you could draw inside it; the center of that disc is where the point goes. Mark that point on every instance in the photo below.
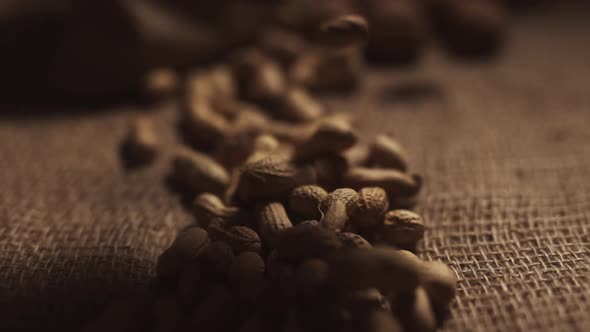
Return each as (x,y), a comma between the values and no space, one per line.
(337,207)
(398,31)
(415,311)
(329,170)
(264,145)
(209,208)
(328,72)
(440,282)
(379,321)
(388,153)
(201,126)
(271,177)
(310,276)
(305,201)
(259,78)
(297,105)
(360,301)
(307,241)
(243,239)
(358,155)
(216,260)
(160,83)
(344,31)
(354,241)
(140,146)
(213,84)
(402,228)
(382,267)
(247,269)
(272,222)
(332,136)
(395,183)
(370,207)
(281,45)
(199,172)
(187,245)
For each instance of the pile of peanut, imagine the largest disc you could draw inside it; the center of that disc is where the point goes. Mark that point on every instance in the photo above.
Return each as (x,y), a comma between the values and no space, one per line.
(300,226)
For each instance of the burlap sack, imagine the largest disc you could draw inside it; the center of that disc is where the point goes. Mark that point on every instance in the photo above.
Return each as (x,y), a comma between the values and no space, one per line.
(504,149)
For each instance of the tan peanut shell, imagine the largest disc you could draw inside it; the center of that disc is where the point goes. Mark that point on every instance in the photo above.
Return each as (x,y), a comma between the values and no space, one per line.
(282,45)
(209,208)
(216,260)
(386,152)
(270,177)
(384,268)
(199,172)
(380,321)
(362,301)
(440,282)
(140,146)
(259,77)
(202,126)
(344,31)
(187,245)
(212,84)
(160,83)
(264,145)
(337,207)
(310,275)
(358,155)
(395,182)
(415,311)
(329,170)
(370,207)
(297,105)
(272,222)
(328,71)
(305,201)
(307,241)
(243,239)
(247,268)
(332,136)
(402,228)
(354,241)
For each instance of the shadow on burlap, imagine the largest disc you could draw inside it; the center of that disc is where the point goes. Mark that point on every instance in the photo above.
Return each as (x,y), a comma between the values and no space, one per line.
(504,148)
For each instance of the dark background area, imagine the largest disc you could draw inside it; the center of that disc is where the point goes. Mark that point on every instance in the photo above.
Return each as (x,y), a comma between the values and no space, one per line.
(504,148)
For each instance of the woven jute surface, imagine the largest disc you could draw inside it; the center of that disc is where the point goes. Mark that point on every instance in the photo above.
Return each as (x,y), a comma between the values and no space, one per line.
(504,149)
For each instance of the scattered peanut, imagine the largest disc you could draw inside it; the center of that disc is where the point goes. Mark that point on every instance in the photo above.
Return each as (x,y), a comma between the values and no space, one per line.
(199,172)
(344,31)
(337,207)
(140,146)
(354,241)
(270,177)
(272,222)
(209,209)
(402,228)
(370,207)
(388,153)
(305,201)
(307,241)
(394,182)
(440,282)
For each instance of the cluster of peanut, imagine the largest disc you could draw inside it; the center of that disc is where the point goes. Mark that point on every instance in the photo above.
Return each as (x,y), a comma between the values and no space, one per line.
(299,225)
